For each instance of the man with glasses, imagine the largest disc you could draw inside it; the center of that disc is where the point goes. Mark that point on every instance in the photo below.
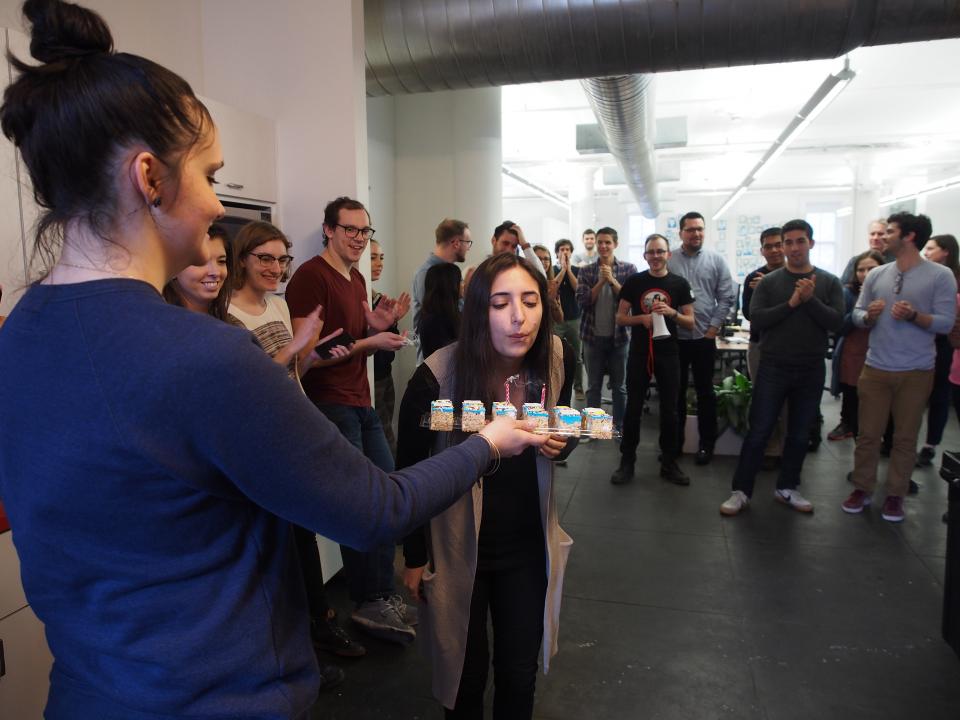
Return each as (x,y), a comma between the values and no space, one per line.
(645,296)
(714,294)
(905,304)
(340,389)
(794,309)
(453,243)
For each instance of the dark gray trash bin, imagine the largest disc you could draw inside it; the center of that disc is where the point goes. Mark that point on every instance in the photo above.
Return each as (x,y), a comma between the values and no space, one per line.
(950,471)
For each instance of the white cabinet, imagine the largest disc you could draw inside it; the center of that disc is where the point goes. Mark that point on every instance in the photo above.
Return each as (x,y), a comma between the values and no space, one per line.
(14,194)
(26,663)
(249,145)
(24,656)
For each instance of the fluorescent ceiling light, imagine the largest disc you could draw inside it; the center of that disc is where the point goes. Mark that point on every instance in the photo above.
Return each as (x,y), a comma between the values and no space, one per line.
(536,187)
(929,189)
(730,201)
(818,102)
(844,211)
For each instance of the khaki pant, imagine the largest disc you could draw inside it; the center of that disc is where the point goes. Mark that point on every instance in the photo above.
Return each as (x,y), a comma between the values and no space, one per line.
(882,393)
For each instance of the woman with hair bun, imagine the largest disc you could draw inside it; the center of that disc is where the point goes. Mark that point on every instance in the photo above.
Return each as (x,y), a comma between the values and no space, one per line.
(149,486)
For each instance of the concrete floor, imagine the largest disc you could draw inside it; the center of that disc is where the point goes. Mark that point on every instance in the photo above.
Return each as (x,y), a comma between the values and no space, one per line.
(672,612)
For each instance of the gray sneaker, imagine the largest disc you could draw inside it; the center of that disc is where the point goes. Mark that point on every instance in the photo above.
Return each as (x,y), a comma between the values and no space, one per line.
(382,620)
(408,613)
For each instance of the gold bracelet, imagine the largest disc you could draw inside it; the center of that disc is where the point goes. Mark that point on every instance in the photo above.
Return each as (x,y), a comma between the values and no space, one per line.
(494,450)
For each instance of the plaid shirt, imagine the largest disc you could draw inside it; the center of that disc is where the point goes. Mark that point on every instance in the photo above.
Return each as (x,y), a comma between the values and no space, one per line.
(588,277)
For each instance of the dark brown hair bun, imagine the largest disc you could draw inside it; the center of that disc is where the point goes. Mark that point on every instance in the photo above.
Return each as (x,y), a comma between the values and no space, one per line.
(64,31)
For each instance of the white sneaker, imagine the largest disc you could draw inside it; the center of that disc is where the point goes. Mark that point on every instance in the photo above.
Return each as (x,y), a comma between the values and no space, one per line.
(794,499)
(736,502)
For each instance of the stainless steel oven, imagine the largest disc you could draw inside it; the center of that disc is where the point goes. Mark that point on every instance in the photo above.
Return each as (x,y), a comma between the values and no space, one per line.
(239,213)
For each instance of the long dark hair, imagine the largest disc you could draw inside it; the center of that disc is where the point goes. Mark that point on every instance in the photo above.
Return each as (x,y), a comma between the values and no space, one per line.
(441,297)
(949,243)
(855,285)
(218,308)
(69,115)
(475,356)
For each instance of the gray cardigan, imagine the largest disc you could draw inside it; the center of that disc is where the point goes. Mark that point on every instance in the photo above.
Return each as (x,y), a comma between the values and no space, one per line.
(448,580)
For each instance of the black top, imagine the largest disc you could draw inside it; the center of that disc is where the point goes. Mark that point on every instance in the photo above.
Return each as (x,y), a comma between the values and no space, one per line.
(511,531)
(436,331)
(747,295)
(642,290)
(382,359)
(568,296)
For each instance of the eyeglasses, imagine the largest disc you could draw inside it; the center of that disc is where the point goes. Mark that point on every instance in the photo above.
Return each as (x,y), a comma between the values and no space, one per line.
(773,246)
(468,243)
(898,284)
(655,252)
(351,231)
(267,260)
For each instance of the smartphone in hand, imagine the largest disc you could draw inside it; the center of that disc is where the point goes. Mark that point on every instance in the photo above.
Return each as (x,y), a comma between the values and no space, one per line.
(324,348)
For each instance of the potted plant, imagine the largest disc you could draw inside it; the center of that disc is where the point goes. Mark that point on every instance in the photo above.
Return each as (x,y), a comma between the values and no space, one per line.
(733,413)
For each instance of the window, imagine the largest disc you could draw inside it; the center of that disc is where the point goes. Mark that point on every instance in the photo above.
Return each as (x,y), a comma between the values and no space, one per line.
(824,253)
(639,229)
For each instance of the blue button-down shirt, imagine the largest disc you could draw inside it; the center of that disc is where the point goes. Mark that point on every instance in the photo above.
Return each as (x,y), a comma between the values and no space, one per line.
(712,285)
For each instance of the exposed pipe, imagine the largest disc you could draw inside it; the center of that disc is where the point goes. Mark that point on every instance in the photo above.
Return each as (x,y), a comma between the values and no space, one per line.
(426,45)
(624,108)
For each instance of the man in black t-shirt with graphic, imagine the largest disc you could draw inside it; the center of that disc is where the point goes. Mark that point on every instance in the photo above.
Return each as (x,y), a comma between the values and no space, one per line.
(644,299)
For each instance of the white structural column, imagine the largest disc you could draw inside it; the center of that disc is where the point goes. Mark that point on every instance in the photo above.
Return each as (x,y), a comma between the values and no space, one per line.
(447,164)
(866,208)
(582,210)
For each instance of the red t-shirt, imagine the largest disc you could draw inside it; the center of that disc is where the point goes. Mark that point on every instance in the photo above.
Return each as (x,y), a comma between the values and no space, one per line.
(4,523)
(314,283)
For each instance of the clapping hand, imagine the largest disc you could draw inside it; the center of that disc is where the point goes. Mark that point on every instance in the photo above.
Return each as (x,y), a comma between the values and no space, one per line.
(756,281)
(902,310)
(388,311)
(874,309)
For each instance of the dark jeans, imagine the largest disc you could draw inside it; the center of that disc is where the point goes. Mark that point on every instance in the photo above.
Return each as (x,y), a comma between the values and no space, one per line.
(939,407)
(515,600)
(665,369)
(850,407)
(700,355)
(310,568)
(369,574)
(602,356)
(802,388)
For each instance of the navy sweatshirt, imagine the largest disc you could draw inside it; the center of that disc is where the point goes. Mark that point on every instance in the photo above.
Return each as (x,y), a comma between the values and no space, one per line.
(150,460)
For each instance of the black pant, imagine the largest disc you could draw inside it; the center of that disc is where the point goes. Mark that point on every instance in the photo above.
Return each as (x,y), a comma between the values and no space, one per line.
(515,600)
(699,354)
(666,370)
(309,556)
(850,407)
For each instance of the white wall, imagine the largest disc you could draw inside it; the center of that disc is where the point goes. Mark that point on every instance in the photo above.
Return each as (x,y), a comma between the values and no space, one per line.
(300,63)
(381,159)
(167,32)
(944,211)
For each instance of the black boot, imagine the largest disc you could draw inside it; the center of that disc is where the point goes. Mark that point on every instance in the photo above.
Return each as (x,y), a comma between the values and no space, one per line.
(624,473)
(671,472)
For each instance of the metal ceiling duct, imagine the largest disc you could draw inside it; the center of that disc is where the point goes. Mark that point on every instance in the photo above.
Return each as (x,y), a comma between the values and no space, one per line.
(427,45)
(624,108)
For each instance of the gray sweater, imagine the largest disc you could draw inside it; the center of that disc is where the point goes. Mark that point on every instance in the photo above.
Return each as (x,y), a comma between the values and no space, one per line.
(898,345)
(796,336)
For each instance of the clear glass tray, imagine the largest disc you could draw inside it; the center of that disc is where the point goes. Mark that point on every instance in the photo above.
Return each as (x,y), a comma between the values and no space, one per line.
(613,435)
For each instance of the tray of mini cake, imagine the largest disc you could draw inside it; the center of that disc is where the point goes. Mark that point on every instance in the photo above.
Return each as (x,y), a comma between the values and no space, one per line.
(559,420)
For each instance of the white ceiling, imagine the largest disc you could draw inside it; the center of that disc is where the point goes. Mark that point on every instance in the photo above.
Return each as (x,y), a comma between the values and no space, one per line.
(894,128)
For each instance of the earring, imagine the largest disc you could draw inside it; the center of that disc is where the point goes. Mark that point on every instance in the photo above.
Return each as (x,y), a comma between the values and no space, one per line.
(156,202)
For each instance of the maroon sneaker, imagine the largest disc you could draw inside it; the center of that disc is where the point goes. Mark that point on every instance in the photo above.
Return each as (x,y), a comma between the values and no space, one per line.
(893,509)
(857,501)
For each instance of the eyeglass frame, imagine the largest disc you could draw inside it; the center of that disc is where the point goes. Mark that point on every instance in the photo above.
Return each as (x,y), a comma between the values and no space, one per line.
(351,231)
(898,283)
(283,260)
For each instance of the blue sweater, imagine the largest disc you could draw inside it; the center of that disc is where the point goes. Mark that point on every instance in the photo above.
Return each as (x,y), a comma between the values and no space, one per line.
(150,461)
